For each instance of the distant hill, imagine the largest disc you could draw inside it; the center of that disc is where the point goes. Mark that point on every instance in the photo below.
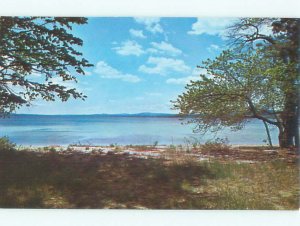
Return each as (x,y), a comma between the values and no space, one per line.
(148,114)
(142,114)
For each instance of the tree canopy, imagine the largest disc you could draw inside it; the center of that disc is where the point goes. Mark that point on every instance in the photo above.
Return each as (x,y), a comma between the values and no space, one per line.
(235,89)
(257,78)
(32,47)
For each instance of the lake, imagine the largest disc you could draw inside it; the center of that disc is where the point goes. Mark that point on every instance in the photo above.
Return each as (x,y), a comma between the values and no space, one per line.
(39,130)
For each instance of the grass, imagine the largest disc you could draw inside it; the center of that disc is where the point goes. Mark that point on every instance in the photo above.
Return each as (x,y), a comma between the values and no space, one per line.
(272,185)
(78,180)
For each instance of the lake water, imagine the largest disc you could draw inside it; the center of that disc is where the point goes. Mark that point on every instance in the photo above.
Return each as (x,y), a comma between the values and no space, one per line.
(38,130)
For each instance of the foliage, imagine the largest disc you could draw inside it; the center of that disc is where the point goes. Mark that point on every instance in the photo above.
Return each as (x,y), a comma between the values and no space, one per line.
(275,34)
(52,150)
(35,52)
(216,145)
(6,144)
(235,89)
(155,144)
(194,142)
(280,37)
(256,78)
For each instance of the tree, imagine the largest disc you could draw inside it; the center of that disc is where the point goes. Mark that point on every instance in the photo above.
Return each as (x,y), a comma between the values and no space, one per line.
(282,42)
(237,87)
(267,50)
(32,48)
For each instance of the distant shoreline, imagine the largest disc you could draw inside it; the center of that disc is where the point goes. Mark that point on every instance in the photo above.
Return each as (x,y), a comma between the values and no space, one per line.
(143,114)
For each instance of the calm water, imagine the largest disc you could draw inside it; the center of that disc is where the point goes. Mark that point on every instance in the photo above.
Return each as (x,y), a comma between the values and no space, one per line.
(40,130)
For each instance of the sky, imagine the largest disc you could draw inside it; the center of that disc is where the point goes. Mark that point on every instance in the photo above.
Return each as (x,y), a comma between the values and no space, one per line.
(140,64)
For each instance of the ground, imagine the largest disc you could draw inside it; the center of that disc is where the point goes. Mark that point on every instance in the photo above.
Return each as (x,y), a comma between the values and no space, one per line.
(150,177)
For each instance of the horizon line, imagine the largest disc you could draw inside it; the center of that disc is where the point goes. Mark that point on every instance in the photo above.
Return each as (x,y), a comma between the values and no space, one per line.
(139,113)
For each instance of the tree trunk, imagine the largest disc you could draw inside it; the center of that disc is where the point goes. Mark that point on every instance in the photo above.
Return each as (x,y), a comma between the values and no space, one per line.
(286,139)
(289,116)
(297,136)
(289,53)
(289,132)
(268,134)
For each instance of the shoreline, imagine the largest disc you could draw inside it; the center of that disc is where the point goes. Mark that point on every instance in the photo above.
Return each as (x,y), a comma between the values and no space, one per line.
(140,145)
(220,152)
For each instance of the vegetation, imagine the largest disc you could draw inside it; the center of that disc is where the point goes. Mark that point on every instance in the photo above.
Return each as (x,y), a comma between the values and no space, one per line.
(35,47)
(215,146)
(283,44)
(257,78)
(6,145)
(49,179)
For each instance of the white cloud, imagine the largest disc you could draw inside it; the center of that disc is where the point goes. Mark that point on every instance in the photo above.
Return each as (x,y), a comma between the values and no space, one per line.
(163,66)
(211,26)
(137,33)
(185,80)
(164,48)
(151,24)
(129,48)
(108,72)
(152,50)
(182,80)
(213,48)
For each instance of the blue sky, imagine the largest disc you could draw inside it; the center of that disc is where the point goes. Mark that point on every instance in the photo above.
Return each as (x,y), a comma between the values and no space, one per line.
(140,64)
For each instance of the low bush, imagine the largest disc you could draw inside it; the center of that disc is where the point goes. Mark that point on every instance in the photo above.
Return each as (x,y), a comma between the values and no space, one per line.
(6,144)
(216,145)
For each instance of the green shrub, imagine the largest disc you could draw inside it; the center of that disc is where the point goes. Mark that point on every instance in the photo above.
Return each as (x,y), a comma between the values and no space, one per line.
(118,148)
(52,150)
(216,145)
(172,147)
(69,149)
(6,144)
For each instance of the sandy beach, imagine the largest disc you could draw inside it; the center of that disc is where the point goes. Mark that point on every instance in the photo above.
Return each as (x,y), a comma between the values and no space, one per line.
(239,153)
